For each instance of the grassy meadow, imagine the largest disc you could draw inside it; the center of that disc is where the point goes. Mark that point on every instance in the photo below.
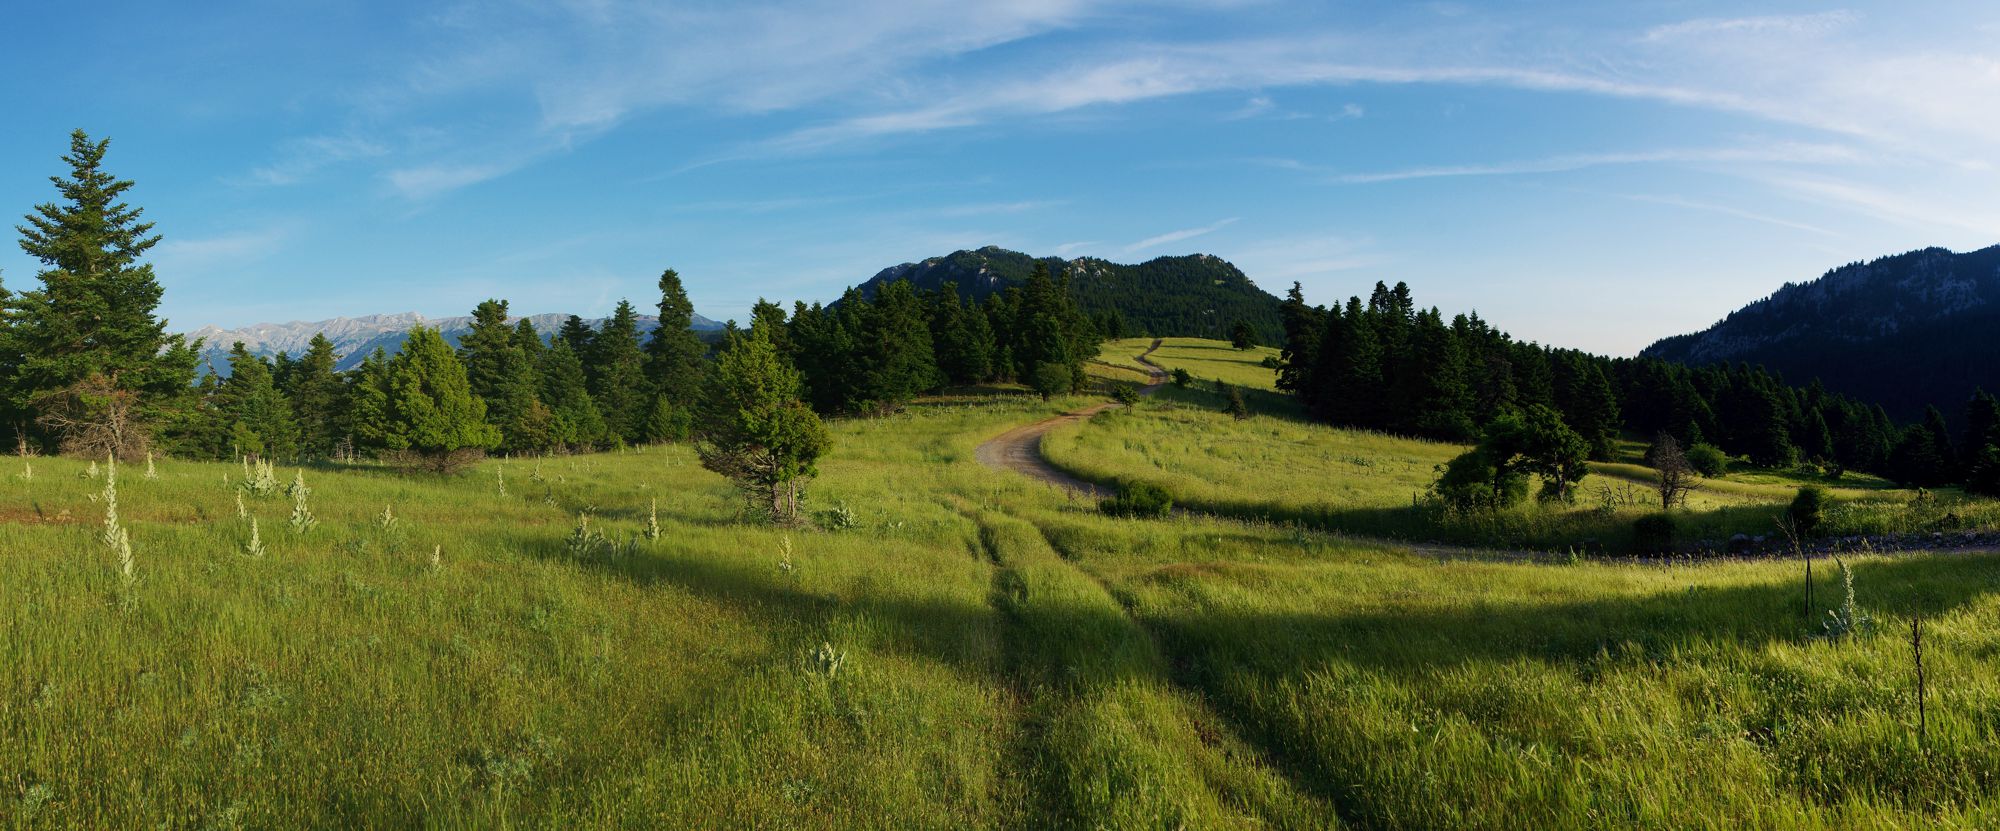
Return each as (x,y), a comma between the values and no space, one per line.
(974,650)
(1281,467)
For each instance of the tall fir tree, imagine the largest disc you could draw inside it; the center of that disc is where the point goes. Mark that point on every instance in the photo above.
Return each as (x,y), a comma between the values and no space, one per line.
(674,355)
(617,371)
(896,348)
(500,373)
(94,315)
(257,416)
(319,399)
(575,424)
(432,411)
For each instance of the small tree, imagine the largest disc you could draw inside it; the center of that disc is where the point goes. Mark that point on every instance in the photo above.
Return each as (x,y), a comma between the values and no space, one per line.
(1804,513)
(1050,379)
(1234,403)
(1707,459)
(753,429)
(1676,475)
(1242,336)
(432,411)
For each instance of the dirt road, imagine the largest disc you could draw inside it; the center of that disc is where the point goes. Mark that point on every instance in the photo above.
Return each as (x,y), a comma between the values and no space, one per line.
(1020,449)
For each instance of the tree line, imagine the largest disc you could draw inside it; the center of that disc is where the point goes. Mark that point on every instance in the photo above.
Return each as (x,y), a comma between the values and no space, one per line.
(87,367)
(1385,364)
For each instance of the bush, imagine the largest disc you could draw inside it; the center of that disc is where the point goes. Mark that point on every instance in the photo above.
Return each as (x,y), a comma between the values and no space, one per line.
(1182,379)
(1805,510)
(1708,460)
(1124,394)
(1050,379)
(1270,362)
(1653,534)
(1138,500)
(1467,484)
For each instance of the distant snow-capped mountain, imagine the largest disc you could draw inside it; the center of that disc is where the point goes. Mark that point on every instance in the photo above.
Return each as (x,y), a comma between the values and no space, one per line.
(355,337)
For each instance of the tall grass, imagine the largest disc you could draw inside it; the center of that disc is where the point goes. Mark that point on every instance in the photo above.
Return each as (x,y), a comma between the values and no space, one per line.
(972,650)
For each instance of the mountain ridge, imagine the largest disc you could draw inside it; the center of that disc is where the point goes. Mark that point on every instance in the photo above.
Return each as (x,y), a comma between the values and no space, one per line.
(354,338)
(1906,331)
(1189,294)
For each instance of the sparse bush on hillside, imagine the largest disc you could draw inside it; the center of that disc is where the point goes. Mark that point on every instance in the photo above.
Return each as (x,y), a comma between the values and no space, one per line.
(1271,362)
(1138,500)
(1182,379)
(1124,394)
(1653,533)
(1234,403)
(1805,511)
(1708,460)
(1471,483)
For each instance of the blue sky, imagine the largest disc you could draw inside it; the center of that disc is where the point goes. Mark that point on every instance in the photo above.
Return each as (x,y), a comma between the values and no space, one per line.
(1586,174)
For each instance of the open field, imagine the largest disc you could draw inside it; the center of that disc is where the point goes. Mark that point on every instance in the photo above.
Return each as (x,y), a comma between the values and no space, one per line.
(1279,467)
(977,650)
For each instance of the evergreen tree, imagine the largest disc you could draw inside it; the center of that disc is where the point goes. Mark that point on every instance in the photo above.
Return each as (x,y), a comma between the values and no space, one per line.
(579,335)
(617,372)
(93,317)
(961,338)
(895,348)
(575,423)
(753,429)
(1304,331)
(1242,336)
(674,355)
(1433,394)
(1916,462)
(499,372)
(1947,451)
(432,411)
(369,393)
(319,399)
(257,416)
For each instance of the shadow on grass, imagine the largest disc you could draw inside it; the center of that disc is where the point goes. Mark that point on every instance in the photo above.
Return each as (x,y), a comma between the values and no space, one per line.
(1238,659)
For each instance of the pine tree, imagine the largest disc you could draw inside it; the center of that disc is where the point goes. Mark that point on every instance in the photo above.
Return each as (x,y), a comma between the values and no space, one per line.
(319,399)
(617,371)
(93,317)
(896,348)
(368,393)
(1305,329)
(1947,450)
(1242,336)
(960,338)
(674,355)
(499,372)
(432,411)
(575,424)
(1433,394)
(753,428)
(258,418)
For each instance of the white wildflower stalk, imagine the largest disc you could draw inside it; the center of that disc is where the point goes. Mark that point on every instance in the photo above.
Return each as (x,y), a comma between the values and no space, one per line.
(115,536)
(302,515)
(387,519)
(437,557)
(242,511)
(653,520)
(91,472)
(27,471)
(255,547)
(150,472)
(500,476)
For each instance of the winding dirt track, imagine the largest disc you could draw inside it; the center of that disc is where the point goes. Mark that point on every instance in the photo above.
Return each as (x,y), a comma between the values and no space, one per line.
(1020,449)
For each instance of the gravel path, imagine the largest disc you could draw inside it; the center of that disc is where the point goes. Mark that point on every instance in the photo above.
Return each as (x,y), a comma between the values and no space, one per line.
(1020,449)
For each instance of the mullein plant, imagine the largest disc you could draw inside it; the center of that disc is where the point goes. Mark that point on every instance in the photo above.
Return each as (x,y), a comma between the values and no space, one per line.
(255,547)
(302,515)
(115,536)
(150,472)
(653,520)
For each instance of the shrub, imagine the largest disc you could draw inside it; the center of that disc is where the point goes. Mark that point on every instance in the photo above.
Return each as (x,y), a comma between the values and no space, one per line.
(1708,460)
(1237,408)
(1805,510)
(1139,500)
(1182,379)
(1050,379)
(1653,533)
(1471,483)
(1270,362)
(1124,394)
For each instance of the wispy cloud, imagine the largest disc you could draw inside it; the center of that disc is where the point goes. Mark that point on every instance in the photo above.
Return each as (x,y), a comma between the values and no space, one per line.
(1177,236)
(1781,153)
(1069,248)
(1726,210)
(300,158)
(230,248)
(1787,25)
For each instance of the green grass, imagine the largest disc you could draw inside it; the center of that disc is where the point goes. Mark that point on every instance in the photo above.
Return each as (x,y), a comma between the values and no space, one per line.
(1281,467)
(1006,657)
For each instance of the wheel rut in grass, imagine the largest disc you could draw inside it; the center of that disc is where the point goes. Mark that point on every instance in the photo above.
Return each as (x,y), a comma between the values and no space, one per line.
(1020,449)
